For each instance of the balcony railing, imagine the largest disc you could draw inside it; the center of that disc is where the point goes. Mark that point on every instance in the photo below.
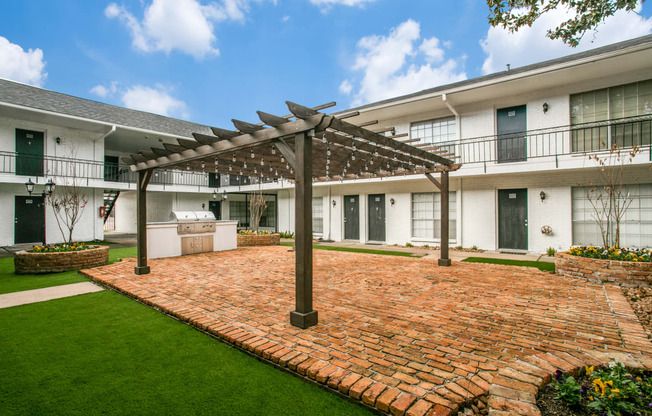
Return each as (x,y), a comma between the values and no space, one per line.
(555,141)
(86,170)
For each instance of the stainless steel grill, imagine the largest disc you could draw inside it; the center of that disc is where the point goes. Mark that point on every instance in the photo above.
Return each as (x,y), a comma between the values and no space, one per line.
(188,216)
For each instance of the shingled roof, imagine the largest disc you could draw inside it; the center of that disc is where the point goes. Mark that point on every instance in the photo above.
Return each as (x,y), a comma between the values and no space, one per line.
(28,96)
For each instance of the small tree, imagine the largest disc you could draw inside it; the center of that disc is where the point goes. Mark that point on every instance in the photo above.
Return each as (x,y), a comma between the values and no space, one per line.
(68,200)
(257,205)
(611,199)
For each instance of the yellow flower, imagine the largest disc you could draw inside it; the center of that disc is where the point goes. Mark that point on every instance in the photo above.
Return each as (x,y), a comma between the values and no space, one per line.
(588,369)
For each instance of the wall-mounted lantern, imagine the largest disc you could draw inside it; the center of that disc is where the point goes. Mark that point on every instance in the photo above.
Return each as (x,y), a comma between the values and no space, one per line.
(334,203)
(223,196)
(542,195)
(392,201)
(545,107)
(49,187)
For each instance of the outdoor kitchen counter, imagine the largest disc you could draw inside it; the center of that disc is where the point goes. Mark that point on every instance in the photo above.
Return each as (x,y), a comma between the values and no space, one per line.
(165,240)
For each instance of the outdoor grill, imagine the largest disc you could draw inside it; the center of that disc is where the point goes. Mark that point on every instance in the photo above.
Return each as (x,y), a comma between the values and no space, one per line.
(190,232)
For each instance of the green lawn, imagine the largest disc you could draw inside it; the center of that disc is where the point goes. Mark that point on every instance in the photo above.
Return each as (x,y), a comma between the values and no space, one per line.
(10,282)
(541,265)
(102,353)
(358,250)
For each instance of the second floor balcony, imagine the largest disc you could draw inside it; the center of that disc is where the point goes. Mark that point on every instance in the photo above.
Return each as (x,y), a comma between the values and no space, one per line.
(576,139)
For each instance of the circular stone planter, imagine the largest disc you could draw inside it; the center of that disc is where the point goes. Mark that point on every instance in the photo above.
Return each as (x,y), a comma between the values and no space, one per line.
(39,263)
(624,273)
(259,240)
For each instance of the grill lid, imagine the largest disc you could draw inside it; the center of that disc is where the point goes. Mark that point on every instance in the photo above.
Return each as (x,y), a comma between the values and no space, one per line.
(185,216)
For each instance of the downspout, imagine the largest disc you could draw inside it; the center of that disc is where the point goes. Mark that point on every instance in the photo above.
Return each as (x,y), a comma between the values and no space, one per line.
(95,207)
(458,133)
(328,207)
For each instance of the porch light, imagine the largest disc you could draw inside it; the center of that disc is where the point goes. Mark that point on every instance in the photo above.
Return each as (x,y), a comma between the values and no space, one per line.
(29,185)
(545,107)
(392,201)
(49,187)
(542,195)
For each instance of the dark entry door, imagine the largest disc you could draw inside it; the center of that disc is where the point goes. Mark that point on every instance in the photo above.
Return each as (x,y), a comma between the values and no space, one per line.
(511,143)
(512,219)
(377,217)
(29,220)
(352,217)
(29,152)
(216,208)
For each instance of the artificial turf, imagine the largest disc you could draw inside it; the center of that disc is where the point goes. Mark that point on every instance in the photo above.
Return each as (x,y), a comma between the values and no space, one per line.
(102,353)
(358,250)
(10,282)
(541,265)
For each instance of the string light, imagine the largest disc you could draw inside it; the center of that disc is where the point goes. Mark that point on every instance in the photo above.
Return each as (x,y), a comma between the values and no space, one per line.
(188,166)
(245,164)
(234,159)
(203,164)
(216,162)
(230,168)
(262,162)
(282,159)
(252,154)
(273,149)
(323,138)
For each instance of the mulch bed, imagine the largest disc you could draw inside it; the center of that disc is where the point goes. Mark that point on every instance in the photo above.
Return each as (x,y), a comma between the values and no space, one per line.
(641,300)
(549,406)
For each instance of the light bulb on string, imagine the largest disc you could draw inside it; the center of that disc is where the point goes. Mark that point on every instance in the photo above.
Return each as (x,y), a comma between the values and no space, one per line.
(252,154)
(262,162)
(273,149)
(234,159)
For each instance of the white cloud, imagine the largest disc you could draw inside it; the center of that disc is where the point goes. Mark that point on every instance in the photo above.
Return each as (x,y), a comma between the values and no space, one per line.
(154,100)
(346,87)
(18,65)
(183,25)
(103,92)
(530,44)
(340,2)
(285,18)
(392,65)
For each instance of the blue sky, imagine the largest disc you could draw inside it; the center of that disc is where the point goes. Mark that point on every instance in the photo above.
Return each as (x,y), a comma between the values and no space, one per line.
(210,61)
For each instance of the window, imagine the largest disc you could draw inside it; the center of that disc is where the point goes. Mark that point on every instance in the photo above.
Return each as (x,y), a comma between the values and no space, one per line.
(635,228)
(238,211)
(611,104)
(318,215)
(268,219)
(426,215)
(435,131)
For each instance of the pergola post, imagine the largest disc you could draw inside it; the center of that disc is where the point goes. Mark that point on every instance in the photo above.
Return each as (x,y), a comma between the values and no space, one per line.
(141,221)
(444,260)
(443,188)
(304,316)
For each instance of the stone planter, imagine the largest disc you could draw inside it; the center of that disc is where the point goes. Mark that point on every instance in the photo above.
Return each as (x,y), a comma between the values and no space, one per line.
(259,240)
(624,273)
(39,263)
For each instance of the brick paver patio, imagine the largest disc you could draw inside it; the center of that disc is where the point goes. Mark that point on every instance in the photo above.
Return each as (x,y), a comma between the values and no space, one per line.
(400,334)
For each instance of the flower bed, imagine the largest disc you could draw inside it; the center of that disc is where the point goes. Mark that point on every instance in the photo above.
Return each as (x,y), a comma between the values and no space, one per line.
(247,240)
(39,262)
(624,273)
(615,390)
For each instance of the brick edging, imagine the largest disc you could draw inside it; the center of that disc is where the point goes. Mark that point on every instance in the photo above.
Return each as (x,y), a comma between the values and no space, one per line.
(514,389)
(61,261)
(248,240)
(624,273)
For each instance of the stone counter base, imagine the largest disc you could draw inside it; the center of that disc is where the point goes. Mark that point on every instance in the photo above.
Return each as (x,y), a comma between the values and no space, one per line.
(39,263)
(624,273)
(259,240)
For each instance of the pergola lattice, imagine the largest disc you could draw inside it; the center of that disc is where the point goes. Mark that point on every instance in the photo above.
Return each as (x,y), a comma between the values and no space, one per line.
(302,147)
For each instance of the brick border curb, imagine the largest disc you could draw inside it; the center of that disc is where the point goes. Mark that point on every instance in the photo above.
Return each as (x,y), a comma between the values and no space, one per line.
(245,240)
(624,273)
(55,262)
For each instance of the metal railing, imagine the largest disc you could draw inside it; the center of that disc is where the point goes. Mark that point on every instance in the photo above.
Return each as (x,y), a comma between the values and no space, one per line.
(82,169)
(555,141)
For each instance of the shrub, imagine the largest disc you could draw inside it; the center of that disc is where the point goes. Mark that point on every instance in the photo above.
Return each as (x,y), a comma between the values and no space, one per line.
(474,248)
(252,232)
(551,251)
(409,245)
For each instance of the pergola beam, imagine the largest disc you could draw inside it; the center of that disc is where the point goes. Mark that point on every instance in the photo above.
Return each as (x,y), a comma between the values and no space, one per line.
(141,208)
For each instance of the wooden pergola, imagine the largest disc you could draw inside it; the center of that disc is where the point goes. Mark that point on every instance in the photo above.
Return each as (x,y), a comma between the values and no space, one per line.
(304,147)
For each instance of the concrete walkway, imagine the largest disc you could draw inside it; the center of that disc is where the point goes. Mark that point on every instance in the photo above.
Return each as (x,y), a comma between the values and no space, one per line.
(47,293)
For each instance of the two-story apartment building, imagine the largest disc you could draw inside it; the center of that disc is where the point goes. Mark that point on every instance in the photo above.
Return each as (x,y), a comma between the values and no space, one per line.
(522,136)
